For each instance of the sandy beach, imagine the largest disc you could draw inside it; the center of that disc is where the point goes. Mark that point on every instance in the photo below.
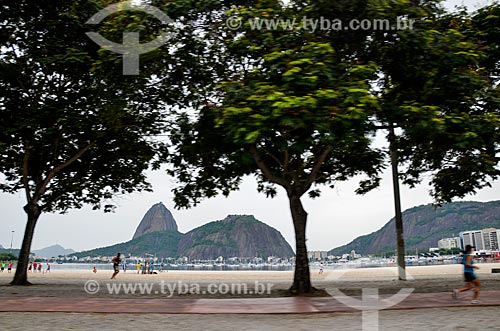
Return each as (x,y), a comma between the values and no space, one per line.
(423,279)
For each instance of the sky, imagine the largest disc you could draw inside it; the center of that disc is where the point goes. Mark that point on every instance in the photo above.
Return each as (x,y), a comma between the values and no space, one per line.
(334,219)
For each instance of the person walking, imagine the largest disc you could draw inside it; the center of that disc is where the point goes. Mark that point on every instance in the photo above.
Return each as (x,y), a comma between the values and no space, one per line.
(116,265)
(10,267)
(469,275)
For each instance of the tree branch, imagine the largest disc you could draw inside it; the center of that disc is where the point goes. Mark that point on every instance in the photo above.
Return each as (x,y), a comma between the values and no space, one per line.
(265,170)
(25,172)
(278,162)
(317,165)
(287,161)
(41,190)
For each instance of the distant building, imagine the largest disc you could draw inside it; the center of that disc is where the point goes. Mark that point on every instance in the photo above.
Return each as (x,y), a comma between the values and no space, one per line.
(449,243)
(474,238)
(491,237)
(354,255)
(317,255)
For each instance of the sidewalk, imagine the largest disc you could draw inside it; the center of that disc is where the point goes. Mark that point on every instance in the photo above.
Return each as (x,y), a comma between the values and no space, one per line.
(286,305)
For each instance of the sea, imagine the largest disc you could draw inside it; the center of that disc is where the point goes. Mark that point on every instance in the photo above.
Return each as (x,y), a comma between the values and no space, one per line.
(360,263)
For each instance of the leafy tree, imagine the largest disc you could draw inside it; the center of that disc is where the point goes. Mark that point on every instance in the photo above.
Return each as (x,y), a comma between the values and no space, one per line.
(293,115)
(72,129)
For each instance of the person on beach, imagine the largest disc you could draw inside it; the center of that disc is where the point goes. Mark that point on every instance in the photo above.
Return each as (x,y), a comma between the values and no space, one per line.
(2,267)
(138,267)
(116,265)
(40,267)
(321,267)
(95,270)
(30,266)
(469,275)
(48,267)
(10,267)
(35,266)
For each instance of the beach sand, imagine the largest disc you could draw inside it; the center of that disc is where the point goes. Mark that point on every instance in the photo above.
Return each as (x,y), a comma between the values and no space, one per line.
(424,279)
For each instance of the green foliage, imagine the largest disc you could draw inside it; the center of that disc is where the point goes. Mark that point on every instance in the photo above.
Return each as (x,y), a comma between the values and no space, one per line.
(441,90)
(296,115)
(8,257)
(69,134)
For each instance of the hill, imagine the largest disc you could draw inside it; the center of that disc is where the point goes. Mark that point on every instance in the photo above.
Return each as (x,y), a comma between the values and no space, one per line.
(161,244)
(425,225)
(53,251)
(157,219)
(234,236)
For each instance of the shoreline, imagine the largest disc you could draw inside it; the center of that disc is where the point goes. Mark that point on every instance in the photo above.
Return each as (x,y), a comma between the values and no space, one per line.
(369,272)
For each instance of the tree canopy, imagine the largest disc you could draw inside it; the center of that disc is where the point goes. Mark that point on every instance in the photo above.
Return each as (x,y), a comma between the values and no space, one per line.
(73,130)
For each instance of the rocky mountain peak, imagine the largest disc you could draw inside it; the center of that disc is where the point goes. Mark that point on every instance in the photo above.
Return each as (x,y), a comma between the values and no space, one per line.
(157,219)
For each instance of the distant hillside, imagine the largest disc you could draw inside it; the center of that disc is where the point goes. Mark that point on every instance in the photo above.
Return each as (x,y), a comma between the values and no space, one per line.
(53,251)
(425,225)
(235,236)
(7,251)
(161,244)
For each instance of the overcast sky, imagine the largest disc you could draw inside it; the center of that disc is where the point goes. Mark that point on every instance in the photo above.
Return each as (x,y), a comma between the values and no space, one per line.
(336,218)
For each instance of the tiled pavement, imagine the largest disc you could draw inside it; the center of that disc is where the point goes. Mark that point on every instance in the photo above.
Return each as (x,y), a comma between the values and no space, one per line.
(286,305)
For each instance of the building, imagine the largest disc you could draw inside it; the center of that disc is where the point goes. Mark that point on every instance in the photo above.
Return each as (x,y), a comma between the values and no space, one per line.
(449,243)
(490,237)
(317,255)
(474,238)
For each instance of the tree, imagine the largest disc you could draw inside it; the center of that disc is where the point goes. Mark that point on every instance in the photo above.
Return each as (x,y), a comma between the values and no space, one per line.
(293,114)
(439,105)
(71,132)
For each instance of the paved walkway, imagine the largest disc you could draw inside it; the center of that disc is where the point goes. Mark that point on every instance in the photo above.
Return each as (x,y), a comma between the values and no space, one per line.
(287,305)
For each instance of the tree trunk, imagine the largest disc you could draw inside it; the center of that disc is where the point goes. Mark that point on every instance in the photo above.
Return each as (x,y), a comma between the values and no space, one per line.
(397,206)
(301,277)
(21,276)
